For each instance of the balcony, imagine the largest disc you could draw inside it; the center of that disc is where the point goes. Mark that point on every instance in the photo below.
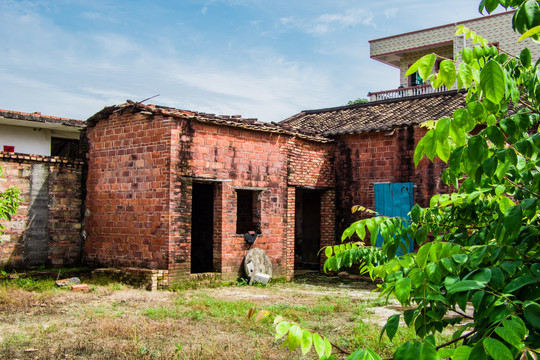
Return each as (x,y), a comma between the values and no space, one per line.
(405,92)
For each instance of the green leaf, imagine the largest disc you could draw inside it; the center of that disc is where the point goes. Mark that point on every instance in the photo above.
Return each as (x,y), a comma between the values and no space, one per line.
(424,65)
(491,5)
(457,134)
(434,273)
(465,285)
(478,149)
(512,219)
(492,80)
(483,276)
(462,353)
(447,72)
(509,336)
(497,278)
(294,338)
(416,213)
(328,251)
(496,136)
(318,344)
(519,282)
(307,339)
(442,129)
(465,75)
(511,156)
(525,56)
(327,347)
(392,325)
(282,328)
(403,290)
(422,255)
(467,56)
(460,258)
(419,152)
(489,166)
(477,113)
(527,17)
(497,350)
(531,32)
(516,325)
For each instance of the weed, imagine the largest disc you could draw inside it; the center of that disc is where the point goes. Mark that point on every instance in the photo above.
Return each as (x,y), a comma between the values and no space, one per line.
(161,312)
(116,286)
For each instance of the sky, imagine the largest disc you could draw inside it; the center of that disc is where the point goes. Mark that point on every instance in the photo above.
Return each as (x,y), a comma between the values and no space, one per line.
(265,59)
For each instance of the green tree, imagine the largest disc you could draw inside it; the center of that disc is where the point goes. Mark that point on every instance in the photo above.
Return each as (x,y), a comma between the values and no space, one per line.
(9,202)
(357,101)
(477,269)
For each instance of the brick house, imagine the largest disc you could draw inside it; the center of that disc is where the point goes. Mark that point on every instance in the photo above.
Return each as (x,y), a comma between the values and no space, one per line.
(374,146)
(177,190)
(40,155)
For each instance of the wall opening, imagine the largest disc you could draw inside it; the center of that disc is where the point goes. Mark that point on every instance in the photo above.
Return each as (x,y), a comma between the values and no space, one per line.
(307,237)
(248,211)
(68,148)
(202,228)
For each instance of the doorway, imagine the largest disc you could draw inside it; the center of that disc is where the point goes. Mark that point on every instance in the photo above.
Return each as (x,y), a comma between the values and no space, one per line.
(394,199)
(202,228)
(307,239)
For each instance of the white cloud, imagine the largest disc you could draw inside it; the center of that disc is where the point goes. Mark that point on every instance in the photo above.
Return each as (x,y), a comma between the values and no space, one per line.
(391,13)
(327,23)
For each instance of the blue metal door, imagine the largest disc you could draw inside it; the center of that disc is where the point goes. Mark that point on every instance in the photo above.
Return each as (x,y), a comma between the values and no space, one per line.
(394,199)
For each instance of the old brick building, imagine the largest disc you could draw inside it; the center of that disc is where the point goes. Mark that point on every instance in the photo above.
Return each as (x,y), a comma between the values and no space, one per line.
(177,190)
(41,157)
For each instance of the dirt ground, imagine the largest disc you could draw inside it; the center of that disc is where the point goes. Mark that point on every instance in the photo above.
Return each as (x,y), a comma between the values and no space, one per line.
(114,321)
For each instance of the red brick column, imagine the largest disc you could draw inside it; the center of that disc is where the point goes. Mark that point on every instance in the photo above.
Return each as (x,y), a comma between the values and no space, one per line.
(289,243)
(328,208)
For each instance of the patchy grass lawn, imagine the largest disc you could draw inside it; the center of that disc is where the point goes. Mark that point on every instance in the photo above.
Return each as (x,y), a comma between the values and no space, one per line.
(114,321)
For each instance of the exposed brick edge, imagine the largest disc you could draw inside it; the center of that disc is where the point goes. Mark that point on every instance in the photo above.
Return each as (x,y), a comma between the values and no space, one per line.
(42,158)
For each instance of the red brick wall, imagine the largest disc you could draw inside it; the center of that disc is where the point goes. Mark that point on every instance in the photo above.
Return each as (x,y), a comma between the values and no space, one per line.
(63,210)
(141,175)
(363,160)
(232,159)
(311,164)
(128,191)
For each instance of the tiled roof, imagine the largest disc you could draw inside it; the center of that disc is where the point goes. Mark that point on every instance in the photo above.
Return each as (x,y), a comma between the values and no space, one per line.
(376,116)
(222,120)
(9,114)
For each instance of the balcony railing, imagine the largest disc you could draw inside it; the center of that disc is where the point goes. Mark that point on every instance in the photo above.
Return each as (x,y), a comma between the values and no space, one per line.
(405,92)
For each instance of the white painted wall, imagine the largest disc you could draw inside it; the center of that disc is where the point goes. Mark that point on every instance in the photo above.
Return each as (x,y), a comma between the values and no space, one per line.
(26,140)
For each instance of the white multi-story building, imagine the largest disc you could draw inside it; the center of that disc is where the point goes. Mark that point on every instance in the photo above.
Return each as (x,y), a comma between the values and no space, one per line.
(402,50)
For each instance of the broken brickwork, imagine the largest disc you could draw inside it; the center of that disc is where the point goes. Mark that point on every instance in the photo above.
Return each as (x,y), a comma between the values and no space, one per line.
(46,231)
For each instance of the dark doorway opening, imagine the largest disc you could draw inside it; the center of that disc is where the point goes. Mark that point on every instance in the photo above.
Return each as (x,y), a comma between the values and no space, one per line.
(307,229)
(202,228)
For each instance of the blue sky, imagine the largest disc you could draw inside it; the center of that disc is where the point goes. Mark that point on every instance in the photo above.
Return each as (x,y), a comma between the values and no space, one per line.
(267,59)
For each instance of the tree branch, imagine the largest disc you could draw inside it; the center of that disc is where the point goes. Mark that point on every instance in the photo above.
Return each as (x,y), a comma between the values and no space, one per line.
(521,187)
(462,337)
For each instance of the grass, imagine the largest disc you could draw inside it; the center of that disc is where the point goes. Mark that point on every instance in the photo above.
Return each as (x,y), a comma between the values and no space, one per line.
(117,321)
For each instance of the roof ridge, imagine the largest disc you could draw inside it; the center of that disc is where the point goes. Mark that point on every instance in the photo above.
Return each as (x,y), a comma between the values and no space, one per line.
(373,103)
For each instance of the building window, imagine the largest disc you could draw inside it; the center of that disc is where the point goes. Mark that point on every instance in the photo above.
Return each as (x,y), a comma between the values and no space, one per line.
(67,148)
(415,79)
(247,211)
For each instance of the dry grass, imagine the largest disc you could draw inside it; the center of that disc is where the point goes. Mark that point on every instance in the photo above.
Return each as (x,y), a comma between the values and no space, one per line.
(114,321)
